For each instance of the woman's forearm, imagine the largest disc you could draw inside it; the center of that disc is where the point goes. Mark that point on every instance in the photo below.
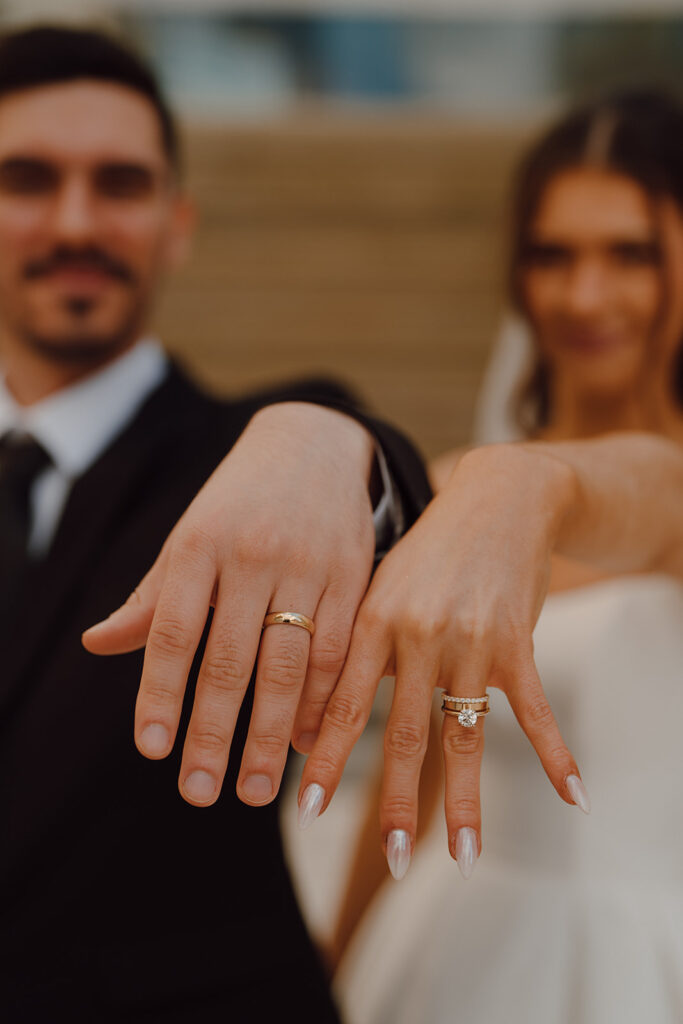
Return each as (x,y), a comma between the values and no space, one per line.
(625,512)
(615,501)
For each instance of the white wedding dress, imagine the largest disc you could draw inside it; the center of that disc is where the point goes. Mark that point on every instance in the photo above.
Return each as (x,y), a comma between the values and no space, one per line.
(567,919)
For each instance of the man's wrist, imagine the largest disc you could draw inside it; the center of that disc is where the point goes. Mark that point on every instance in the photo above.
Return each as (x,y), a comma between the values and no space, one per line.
(346,437)
(317,426)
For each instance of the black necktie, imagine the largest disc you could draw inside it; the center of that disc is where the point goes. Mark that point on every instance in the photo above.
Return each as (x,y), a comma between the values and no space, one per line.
(21,460)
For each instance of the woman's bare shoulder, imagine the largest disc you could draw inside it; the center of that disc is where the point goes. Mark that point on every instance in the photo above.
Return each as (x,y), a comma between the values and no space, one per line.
(443,465)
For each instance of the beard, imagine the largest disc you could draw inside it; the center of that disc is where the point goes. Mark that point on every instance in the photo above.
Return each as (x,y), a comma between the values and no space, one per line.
(80,343)
(80,330)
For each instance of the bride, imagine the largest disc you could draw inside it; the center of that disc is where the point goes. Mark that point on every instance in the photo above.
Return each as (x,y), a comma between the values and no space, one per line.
(567,919)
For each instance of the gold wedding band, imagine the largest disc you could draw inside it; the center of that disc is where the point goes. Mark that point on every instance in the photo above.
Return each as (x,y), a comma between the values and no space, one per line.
(290,619)
(466,709)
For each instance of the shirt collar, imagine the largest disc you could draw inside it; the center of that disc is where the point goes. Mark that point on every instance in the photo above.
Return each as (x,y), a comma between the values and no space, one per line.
(76,424)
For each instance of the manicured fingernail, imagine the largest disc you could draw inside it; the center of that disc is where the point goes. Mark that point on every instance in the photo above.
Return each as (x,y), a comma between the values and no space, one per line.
(306,742)
(578,793)
(200,786)
(258,789)
(311,803)
(398,852)
(154,740)
(466,851)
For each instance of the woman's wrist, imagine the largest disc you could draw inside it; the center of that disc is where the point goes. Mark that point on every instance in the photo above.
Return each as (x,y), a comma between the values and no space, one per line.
(528,479)
(561,482)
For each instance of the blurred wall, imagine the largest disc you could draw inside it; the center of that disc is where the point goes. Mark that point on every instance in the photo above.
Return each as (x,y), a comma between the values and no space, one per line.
(351,171)
(366,248)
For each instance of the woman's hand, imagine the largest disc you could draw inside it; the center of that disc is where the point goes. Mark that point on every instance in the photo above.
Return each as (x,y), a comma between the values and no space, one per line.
(454,605)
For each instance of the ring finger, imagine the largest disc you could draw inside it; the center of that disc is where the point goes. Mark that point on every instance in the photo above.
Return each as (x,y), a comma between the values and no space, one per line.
(405,745)
(463,747)
(280,674)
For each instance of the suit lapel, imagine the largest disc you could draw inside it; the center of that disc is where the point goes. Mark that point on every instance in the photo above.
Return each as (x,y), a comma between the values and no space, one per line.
(99,499)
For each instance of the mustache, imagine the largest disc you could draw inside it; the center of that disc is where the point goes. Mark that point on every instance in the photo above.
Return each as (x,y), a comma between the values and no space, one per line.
(88,258)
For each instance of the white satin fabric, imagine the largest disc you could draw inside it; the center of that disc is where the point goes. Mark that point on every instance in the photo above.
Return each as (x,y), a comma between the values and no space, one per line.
(567,919)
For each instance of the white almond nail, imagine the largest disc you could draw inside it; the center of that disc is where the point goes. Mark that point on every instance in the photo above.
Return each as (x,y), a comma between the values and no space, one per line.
(311,804)
(398,852)
(578,793)
(466,850)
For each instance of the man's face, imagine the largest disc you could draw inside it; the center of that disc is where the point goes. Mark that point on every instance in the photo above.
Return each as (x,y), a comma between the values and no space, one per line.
(89,218)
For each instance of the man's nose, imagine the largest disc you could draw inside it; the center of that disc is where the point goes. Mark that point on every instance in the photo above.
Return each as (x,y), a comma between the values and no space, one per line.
(75,213)
(586,288)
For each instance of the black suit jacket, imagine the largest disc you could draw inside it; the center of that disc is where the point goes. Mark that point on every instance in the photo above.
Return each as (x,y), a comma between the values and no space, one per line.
(118,900)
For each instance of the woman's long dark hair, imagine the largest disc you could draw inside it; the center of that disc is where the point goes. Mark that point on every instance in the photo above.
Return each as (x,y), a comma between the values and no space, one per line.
(638,134)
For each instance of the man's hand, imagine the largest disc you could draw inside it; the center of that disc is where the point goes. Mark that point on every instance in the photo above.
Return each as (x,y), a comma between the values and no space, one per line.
(283,524)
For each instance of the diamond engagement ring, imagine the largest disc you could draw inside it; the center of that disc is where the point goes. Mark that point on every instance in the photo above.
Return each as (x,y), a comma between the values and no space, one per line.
(466,709)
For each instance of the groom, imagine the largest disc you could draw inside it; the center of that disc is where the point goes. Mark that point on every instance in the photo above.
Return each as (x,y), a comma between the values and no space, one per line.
(121,899)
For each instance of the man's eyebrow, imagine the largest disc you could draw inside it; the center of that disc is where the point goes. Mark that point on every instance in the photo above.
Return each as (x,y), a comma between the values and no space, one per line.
(20,160)
(27,174)
(638,235)
(119,163)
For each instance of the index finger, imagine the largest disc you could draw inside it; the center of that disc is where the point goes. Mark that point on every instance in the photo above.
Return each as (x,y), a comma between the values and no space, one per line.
(177,626)
(345,717)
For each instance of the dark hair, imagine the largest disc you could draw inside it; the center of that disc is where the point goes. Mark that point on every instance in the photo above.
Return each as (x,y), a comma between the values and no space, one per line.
(45,55)
(638,134)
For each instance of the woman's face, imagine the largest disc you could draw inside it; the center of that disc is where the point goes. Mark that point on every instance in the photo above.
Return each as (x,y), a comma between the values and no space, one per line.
(592,283)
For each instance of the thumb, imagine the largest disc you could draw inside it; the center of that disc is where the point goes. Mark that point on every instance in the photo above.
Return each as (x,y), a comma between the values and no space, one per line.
(127,628)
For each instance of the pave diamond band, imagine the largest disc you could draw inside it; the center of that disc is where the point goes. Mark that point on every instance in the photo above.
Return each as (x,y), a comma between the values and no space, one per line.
(465,700)
(466,709)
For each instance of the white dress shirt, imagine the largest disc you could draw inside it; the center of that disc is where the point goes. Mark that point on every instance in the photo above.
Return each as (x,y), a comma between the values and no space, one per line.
(77,424)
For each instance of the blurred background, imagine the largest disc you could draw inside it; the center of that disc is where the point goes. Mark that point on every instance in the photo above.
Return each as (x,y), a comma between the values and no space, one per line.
(352,162)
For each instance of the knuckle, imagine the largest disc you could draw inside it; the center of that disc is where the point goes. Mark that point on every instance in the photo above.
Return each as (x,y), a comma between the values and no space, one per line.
(346,712)
(465,808)
(405,741)
(195,544)
(422,626)
(159,694)
(327,765)
(538,714)
(223,672)
(206,740)
(169,637)
(328,657)
(412,627)
(313,706)
(559,759)
(396,808)
(270,743)
(373,619)
(258,548)
(472,631)
(284,671)
(464,743)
